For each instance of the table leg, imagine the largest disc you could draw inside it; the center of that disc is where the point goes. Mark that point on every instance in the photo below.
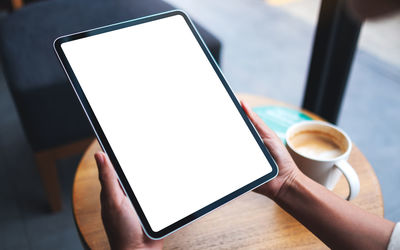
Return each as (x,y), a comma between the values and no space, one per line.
(334,45)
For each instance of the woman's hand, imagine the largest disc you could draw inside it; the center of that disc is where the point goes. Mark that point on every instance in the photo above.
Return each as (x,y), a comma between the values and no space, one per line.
(287,168)
(119,217)
(337,222)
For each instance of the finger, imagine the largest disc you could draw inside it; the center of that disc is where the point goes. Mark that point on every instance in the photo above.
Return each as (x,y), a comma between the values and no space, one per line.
(110,186)
(262,128)
(269,138)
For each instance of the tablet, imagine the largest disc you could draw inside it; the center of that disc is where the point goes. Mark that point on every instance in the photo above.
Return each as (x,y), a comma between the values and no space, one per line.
(161,109)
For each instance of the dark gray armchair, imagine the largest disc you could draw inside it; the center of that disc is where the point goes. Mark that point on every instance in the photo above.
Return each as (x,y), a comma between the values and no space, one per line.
(51,116)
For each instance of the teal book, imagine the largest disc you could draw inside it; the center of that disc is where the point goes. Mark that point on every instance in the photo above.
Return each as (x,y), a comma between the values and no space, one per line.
(279,118)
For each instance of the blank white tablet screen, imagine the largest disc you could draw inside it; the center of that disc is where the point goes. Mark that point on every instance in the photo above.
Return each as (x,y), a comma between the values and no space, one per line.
(175,131)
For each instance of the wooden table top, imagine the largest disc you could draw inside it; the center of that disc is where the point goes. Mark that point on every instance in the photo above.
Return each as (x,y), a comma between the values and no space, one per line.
(251,221)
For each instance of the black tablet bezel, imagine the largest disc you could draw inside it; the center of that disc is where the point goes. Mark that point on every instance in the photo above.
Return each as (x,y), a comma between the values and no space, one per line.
(107,148)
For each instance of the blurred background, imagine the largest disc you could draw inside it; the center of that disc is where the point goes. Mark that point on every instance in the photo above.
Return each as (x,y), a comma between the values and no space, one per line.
(266,50)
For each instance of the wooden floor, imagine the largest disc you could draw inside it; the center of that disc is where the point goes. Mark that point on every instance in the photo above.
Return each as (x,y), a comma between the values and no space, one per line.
(265,52)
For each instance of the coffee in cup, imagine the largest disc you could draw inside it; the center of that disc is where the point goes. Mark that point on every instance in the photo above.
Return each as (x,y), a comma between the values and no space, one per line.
(318,145)
(321,151)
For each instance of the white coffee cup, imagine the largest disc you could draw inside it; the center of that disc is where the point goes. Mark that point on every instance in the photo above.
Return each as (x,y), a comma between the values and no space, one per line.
(321,151)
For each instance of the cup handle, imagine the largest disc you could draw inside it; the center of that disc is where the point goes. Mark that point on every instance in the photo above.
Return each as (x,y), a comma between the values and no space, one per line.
(351,176)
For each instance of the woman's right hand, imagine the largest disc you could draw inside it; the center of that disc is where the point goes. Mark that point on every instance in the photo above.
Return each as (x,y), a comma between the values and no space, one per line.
(287,168)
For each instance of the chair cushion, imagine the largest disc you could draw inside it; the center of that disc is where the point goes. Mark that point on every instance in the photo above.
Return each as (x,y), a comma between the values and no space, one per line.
(49,111)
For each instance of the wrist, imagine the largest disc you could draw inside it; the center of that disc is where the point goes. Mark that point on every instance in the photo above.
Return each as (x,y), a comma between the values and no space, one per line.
(291,182)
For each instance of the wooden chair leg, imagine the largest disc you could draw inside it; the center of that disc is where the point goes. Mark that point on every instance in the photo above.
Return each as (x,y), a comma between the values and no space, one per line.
(46,164)
(16,4)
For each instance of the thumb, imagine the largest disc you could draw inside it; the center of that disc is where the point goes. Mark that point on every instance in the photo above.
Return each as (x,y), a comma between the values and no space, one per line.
(111,192)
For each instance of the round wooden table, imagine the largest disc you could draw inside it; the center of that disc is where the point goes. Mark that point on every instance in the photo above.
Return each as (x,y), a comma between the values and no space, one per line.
(251,221)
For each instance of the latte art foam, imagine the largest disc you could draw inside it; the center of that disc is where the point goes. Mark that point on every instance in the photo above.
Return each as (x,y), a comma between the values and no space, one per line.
(316,145)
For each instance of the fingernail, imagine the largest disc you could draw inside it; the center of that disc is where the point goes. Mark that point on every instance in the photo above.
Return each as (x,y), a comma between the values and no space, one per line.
(244,104)
(99,159)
